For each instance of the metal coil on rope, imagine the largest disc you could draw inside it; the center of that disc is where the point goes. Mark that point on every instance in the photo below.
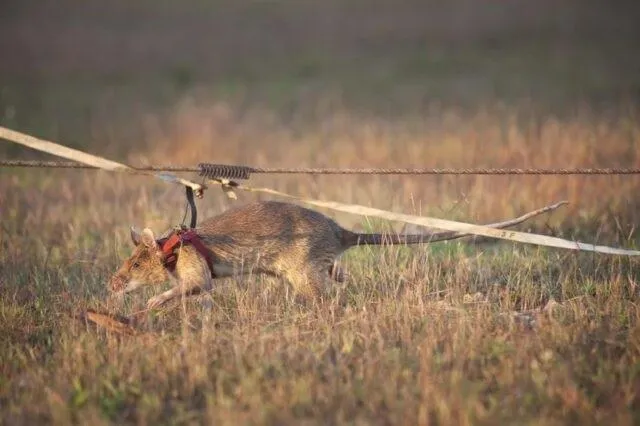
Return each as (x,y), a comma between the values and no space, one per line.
(224,171)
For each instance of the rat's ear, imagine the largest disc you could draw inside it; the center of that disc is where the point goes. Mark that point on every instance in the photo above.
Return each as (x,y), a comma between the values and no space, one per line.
(148,238)
(135,236)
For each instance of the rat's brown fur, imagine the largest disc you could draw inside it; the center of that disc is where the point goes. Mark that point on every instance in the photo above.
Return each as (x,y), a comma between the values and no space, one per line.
(275,238)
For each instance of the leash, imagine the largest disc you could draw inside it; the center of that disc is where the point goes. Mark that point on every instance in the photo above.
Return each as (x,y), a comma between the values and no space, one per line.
(191,206)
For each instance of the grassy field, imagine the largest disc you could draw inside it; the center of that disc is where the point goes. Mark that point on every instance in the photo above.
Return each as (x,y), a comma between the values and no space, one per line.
(446,334)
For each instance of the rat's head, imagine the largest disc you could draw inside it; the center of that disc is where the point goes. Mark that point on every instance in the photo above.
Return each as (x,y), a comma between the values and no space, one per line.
(144,266)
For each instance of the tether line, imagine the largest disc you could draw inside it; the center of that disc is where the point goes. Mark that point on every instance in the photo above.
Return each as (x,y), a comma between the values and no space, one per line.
(343,171)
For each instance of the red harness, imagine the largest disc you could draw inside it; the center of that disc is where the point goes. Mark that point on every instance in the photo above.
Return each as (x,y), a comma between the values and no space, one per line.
(179,237)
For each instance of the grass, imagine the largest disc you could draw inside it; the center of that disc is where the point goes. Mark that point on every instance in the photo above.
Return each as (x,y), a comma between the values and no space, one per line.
(443,334)
(451,333)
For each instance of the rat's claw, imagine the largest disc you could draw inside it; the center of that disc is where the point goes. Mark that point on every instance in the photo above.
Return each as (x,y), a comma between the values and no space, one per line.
(155,302)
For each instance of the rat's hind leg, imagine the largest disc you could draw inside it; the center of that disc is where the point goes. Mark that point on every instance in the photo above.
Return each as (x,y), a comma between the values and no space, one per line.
(337,273)
(310,282)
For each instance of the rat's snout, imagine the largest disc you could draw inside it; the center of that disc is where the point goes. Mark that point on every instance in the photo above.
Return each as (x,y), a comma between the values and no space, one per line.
(121,284)
(117,283)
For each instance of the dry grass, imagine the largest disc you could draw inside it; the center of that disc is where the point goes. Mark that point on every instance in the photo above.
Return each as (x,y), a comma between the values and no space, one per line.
(445,334)
(428,335)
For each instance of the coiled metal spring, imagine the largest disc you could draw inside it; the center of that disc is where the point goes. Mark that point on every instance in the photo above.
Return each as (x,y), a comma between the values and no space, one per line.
(224,171)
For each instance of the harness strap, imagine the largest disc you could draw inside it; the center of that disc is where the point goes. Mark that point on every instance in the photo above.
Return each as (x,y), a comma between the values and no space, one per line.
(190,236)
(170,256)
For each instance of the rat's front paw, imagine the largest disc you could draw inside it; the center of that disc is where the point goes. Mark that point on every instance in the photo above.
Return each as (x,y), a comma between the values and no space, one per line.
(155,302)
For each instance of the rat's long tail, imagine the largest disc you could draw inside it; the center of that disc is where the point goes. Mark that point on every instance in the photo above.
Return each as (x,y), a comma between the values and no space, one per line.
(355,239)
(351,239)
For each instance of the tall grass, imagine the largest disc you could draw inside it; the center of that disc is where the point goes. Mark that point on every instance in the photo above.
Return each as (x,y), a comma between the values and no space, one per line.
(441,334)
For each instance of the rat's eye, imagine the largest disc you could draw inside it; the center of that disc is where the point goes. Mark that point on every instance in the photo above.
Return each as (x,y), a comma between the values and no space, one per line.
(136,265)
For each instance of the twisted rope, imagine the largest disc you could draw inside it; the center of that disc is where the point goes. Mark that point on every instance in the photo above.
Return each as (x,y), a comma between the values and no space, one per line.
(348,171)
(74,165)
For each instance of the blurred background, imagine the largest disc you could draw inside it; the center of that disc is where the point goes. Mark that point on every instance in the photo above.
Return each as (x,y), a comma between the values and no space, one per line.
(349,83)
